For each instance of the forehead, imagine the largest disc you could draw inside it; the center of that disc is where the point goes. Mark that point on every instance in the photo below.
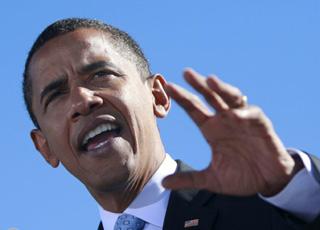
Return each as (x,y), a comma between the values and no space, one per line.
(66,54)
(77,48)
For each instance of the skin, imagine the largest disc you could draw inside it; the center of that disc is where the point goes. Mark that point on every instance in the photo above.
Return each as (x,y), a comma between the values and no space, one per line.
(248,157)
(116,173)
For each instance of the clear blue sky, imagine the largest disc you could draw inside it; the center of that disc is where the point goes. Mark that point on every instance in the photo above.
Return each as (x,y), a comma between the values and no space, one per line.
(270,49)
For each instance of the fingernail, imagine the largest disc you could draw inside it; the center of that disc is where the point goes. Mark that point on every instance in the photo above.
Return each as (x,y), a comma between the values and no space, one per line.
(187,69)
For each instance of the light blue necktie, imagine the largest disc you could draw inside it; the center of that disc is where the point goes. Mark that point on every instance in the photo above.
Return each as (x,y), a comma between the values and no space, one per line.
(129,222)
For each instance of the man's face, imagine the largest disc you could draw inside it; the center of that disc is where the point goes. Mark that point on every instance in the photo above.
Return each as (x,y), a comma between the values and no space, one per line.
(95,113)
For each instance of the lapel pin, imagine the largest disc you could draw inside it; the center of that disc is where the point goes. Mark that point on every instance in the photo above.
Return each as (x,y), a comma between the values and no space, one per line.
(191,223)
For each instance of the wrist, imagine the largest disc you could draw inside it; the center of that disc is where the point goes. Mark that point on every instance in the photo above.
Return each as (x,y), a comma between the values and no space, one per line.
(275,189)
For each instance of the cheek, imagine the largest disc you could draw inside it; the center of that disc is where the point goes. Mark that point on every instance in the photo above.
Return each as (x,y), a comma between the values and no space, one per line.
(57,134)
(61,148)
(59,144)
(130,97)
(56,129)
(138,104)
(137,96)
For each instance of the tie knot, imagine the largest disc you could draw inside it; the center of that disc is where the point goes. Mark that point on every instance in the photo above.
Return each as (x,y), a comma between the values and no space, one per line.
(129,222)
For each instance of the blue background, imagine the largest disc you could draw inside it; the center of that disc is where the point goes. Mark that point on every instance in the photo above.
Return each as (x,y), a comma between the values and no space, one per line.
(269,49)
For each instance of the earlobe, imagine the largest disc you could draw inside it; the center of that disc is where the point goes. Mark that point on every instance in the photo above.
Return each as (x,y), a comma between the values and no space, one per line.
(161,104)
(41,144)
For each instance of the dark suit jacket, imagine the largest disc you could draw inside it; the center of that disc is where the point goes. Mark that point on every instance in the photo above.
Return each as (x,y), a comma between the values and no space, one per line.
(220,212)
(316,165)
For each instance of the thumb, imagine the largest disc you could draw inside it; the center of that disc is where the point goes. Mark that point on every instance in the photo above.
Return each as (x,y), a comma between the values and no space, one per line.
(185,180)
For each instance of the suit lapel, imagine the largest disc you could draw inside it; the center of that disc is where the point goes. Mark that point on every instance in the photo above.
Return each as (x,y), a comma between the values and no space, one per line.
(100,227)
(187,208)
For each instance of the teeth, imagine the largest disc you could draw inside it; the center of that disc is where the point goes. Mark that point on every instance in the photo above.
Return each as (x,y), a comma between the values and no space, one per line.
(100,129)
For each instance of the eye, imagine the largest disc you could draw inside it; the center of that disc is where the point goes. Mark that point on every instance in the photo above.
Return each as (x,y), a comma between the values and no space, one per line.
(55,95)
(104,73)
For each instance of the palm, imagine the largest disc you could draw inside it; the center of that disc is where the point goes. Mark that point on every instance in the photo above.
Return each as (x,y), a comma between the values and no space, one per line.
(247,155)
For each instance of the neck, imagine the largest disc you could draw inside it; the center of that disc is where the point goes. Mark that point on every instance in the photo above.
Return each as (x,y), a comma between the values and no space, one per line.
(120,198)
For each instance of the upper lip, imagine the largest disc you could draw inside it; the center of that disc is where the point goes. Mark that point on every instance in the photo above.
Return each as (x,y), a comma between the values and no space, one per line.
(106,118)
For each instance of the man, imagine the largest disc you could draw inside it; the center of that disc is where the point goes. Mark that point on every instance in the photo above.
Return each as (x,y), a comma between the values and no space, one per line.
(94,102)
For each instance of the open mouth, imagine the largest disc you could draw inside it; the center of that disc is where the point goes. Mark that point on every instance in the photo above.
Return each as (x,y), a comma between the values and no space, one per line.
(99,136)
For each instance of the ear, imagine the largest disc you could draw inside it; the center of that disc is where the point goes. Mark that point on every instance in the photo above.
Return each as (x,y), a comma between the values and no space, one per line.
(161,102)
(41,144)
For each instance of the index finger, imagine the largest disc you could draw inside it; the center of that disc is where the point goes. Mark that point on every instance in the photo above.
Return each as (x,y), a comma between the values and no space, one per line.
(199,83)
(198,112)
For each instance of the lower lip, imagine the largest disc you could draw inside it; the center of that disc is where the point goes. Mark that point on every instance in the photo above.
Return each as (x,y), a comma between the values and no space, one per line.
(102,147)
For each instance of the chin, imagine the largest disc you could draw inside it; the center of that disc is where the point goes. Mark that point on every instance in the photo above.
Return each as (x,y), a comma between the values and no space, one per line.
(111,179)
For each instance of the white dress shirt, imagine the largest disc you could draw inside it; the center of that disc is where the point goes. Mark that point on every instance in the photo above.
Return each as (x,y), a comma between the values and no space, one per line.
(151,203)
(301,197)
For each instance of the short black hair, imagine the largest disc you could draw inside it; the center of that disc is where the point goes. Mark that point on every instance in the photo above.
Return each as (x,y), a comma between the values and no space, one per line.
(121,41)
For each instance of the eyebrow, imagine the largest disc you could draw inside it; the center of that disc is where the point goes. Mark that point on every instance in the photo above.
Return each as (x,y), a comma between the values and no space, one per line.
(52,86)
(55,84)
(96,65)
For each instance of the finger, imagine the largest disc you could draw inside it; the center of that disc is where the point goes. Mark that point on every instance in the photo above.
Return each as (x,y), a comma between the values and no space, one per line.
(230,94)
(199,83)
(198,112)
(185,180)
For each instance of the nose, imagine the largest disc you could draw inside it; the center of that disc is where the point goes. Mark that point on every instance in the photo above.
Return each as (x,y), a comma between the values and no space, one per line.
(83,102)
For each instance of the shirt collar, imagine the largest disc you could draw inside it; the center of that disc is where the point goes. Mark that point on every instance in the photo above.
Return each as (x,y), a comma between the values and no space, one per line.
(151,203)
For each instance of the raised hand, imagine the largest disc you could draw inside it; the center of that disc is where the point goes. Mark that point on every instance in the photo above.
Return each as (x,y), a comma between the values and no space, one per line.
(247,155)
